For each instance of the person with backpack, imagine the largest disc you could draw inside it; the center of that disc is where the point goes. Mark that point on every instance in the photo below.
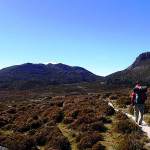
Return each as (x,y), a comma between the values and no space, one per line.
(138,99)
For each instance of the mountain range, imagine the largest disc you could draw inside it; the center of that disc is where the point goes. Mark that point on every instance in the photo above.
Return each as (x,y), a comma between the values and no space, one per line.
(32,75)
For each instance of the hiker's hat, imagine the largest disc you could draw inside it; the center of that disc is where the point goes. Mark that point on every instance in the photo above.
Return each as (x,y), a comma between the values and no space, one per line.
(138,85)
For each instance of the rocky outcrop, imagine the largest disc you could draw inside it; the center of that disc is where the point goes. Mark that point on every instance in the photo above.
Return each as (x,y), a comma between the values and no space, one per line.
(140,58)
(138,72)
(143,56)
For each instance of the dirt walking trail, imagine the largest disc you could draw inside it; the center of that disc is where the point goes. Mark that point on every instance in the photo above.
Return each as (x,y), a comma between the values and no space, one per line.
(145,128)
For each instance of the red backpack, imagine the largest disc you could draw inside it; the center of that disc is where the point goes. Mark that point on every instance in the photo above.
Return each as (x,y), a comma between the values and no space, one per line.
(140,95)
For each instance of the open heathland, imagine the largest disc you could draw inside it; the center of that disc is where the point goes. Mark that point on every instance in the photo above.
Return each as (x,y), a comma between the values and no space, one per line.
(75,121)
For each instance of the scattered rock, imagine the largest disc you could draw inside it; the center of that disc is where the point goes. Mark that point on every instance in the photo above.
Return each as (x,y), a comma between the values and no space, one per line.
(148,145)
(3,148)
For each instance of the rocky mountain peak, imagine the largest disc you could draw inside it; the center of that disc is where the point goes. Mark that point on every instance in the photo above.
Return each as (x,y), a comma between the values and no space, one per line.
(140,58)
(138,72)
(143,56)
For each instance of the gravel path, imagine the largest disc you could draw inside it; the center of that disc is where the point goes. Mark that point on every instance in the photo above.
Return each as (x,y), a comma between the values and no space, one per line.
(145,128)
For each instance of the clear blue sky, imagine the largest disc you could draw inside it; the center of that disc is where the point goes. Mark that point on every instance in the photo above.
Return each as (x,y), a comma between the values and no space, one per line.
(103,36)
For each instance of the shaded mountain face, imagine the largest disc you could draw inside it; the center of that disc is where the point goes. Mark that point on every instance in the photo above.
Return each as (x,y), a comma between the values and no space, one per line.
(138,72)
(30,75)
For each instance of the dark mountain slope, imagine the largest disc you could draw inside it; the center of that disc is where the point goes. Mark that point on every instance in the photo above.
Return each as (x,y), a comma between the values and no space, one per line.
(42,75)
(138,72)
(39,75)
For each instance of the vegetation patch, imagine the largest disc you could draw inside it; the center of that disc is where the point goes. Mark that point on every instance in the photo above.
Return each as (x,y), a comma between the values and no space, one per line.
(131,142)
(68,122)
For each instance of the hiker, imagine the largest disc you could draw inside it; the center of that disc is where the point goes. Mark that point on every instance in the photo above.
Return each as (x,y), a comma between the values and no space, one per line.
(137,100)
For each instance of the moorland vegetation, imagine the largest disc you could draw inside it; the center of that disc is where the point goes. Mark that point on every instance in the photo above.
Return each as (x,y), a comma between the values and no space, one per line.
(72,121)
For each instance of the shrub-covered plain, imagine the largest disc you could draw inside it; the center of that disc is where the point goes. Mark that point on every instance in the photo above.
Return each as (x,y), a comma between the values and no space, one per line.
(64,122)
